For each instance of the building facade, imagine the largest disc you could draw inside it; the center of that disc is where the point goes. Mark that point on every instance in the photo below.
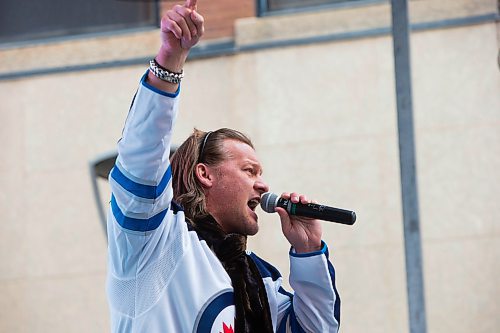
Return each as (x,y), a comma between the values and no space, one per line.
(314,89)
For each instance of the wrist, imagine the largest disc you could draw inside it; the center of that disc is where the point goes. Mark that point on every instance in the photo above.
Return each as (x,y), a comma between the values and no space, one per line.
(307,248)
(172,60)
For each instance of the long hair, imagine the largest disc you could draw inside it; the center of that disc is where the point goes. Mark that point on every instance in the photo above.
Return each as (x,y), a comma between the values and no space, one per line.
(188,191)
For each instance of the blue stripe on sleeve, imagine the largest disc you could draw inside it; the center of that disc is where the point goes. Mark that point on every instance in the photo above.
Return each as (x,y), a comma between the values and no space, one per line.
(141,190)
(164,181)
(282,326)
(133,223)
(294,324)
(336,306)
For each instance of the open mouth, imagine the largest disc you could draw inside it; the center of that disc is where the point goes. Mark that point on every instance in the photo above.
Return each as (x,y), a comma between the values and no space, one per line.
(253,203)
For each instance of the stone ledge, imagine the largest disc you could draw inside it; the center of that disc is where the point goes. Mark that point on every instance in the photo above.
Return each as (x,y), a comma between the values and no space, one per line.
(249,31)
(80,51)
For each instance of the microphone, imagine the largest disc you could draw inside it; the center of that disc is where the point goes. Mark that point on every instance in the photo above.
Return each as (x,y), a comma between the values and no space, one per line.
(269,201)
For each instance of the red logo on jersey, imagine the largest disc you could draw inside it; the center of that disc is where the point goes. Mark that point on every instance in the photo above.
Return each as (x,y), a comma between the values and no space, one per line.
(226,329)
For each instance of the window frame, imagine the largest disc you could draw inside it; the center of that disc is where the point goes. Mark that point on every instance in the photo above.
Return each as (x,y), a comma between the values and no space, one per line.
(27,40)
(263,11)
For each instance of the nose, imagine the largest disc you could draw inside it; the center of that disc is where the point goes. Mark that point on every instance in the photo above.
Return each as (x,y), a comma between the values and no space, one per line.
(261,186)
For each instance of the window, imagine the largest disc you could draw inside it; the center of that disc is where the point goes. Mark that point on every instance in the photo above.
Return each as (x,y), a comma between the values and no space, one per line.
(31,20)
(266,7)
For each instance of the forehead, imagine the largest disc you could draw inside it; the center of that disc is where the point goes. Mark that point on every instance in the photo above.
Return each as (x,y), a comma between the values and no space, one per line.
(240,152)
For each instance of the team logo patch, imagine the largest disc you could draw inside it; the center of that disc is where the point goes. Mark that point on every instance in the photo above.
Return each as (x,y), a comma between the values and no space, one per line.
(218,314)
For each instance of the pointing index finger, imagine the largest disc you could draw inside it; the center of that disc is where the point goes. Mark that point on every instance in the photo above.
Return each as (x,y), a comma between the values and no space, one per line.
(191,4)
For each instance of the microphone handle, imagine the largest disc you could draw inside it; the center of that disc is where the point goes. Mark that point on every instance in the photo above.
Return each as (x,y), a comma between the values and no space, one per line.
(319,212)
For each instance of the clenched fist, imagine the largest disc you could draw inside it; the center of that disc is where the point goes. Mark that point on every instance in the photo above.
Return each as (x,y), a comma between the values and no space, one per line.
(181,28)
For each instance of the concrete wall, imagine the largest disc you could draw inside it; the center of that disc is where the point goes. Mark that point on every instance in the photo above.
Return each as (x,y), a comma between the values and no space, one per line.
(323,119)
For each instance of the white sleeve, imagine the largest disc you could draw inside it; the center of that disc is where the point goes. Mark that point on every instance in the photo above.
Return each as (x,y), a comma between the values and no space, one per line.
(315,303)
(141,179)
(145,240)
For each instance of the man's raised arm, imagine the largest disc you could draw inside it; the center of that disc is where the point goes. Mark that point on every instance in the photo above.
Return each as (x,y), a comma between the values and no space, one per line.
(141,178)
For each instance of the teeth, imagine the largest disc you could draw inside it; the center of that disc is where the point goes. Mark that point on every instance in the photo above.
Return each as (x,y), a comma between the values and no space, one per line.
(253,204)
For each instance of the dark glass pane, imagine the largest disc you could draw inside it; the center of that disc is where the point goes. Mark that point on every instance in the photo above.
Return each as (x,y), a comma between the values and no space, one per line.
(26,20)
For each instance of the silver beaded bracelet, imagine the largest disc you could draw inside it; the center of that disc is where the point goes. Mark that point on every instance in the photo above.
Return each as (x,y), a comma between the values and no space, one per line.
(164,74)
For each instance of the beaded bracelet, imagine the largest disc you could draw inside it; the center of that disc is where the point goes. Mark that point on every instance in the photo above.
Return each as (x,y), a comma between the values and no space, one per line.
(164,74)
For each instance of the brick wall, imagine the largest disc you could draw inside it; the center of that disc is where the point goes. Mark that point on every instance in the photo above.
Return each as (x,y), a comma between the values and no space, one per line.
(220,15)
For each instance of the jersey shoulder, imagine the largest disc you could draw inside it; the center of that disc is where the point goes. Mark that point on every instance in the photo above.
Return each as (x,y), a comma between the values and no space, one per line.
(265,268)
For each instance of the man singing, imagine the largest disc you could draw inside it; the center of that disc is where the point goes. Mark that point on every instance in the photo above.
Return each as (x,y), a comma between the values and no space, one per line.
(177,229)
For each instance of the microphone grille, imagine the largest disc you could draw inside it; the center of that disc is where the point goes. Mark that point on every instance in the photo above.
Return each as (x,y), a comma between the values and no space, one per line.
(268,202)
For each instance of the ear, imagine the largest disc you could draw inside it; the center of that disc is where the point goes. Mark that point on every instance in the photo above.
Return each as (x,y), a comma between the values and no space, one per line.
(204,174)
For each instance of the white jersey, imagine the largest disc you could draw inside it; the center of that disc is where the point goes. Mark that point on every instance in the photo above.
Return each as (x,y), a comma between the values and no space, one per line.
(162,278)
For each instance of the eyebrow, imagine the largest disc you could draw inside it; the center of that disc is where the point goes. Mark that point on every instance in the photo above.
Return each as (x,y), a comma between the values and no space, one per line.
(255,165)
